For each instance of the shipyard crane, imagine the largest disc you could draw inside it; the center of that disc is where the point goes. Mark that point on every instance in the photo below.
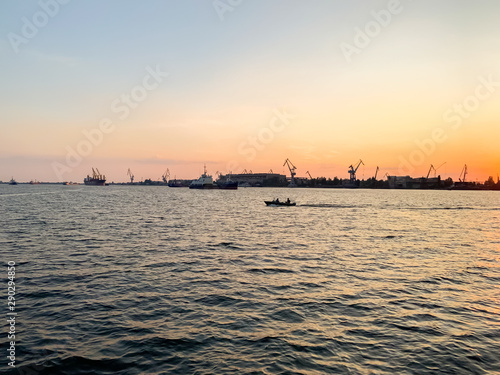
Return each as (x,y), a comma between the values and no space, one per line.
(292,169)
(436,169)
(352,171)
(129,173)
(375,177)
(271,171)
(464,173)
(309,175)
(166,176)
(430,169)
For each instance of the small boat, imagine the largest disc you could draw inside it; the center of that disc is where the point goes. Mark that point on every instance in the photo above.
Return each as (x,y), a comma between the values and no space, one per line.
(278,203)
(12,181)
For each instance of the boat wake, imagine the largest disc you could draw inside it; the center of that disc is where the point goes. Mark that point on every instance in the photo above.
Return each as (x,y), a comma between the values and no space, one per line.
(328,205)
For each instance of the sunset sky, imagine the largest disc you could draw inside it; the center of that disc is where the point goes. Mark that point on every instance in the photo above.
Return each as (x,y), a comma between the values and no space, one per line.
(246,84)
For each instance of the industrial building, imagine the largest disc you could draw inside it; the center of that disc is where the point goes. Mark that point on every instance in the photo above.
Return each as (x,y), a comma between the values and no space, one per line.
(407,182)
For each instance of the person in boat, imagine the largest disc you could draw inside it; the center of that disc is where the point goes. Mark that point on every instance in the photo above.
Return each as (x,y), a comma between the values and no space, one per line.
(277,200)
(288,201)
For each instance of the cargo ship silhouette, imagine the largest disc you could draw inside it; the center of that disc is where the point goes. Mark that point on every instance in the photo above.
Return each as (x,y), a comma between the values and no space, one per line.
(97,178)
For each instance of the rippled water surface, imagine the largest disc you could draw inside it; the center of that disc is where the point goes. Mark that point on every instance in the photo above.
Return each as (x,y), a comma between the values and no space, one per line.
(157,280)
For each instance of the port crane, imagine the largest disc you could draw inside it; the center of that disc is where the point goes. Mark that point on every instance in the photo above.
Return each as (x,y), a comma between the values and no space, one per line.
(436,169)
(352,171)
(464,173)
(375,177)
(309,175)
(430,169)
(165,177)
(292,169)
(129,173)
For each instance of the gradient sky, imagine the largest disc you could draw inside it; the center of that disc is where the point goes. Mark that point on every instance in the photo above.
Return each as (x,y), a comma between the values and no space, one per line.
(227,79)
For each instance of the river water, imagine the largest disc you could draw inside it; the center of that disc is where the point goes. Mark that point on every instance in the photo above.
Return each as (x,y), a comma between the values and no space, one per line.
(158,280)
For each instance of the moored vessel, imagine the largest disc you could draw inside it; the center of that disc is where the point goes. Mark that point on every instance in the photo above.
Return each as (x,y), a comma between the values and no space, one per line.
(227,184)
(175,183)
(97,178)
(204,182)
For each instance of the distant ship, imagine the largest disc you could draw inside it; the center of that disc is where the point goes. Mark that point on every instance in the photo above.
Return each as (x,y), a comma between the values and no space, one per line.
(70,183)
(34,182)
(228,184)
(204,182)
(175,183)
(12,181)
(97,178)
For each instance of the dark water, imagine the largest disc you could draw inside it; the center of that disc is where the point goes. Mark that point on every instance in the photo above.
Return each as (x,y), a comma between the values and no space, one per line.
(156,280)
